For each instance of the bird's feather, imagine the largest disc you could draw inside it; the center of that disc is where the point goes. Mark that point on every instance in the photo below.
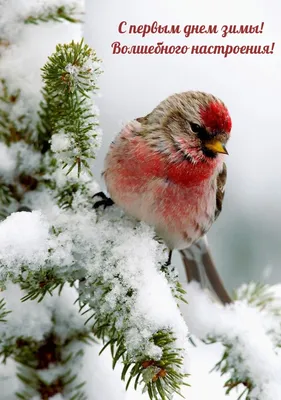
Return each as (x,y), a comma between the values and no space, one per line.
(221,181)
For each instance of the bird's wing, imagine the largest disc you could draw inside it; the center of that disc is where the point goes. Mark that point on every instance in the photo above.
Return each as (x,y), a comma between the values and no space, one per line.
(221,181)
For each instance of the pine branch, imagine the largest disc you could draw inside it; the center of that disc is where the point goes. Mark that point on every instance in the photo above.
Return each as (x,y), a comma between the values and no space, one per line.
(40,283)
(57,14)
(68,136)
(172,277)
(233,362)
(160,376)
(3,311)
(67,115)
(29,172)
(45,367)
(66,194)
(5,194)
(105,253)
(6,199)
(35,358)
(259,295)
(12,130)
(230,364)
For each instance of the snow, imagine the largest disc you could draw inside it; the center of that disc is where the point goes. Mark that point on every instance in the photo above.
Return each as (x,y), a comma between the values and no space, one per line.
(8,380)
(18,158)
(35,320)
(55,314)
(119,252)
(66,143)
(68,320)
(249,329)
(57,397)
(134,255)
(52,373)
(21,320)
(60,142)
(23,241)
(96,370)
(21,69)
(114,248)
(7,162)
(240,324)
(12,12)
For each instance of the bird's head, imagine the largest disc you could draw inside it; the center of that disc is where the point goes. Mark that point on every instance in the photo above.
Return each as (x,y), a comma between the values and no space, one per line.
(195,124)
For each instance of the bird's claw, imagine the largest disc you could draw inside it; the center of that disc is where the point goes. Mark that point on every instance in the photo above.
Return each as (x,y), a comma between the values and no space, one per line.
(100,194)
(105,202)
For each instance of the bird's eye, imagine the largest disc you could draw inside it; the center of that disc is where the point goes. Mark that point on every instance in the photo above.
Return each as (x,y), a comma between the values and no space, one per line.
(195,127)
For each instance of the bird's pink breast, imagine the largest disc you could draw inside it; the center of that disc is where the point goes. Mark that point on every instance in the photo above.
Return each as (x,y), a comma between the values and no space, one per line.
(173,197)
(138,158)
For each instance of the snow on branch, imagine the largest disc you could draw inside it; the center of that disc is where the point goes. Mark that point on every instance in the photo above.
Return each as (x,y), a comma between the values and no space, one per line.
(15,13)
(249,330)
(45,339)
(25,163)
(3,311)
(70,78)
(126,295)
(68,12)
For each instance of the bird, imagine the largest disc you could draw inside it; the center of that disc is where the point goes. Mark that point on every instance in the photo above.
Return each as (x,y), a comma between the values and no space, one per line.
(168,169)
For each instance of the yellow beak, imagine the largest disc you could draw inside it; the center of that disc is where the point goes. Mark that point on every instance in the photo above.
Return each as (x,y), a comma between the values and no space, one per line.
(216,146)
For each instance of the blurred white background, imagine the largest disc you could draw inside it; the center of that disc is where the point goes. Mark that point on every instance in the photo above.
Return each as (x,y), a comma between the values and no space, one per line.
(246,239)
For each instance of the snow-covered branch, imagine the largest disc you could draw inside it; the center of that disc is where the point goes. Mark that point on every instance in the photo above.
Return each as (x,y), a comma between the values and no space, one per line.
(129,298)
(46,340)
(68,112)
(115,263)
(249,330)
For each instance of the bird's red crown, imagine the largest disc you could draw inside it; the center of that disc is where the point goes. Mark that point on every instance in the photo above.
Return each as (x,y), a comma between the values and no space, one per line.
(216,117)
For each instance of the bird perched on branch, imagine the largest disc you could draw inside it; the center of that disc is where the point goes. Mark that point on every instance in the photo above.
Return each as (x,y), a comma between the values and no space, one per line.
(168,170)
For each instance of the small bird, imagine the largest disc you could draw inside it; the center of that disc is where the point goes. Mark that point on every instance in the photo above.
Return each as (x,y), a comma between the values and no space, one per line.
(167,169)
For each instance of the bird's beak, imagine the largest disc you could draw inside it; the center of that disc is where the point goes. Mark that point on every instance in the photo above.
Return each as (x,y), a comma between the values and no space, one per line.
(216,146)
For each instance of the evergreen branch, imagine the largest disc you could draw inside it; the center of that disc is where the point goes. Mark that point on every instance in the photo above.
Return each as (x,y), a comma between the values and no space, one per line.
(172,277)
(67,115)
(39,283)
(11,130)
(59,14)
(160,376)
(232,362)
(66,194)
(3,311)
(55,353)
(152,357)
(260,296)
(3,214)
(33,357)
(6,196)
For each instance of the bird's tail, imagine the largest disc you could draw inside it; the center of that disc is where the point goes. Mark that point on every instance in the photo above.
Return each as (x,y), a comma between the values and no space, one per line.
(199,266)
